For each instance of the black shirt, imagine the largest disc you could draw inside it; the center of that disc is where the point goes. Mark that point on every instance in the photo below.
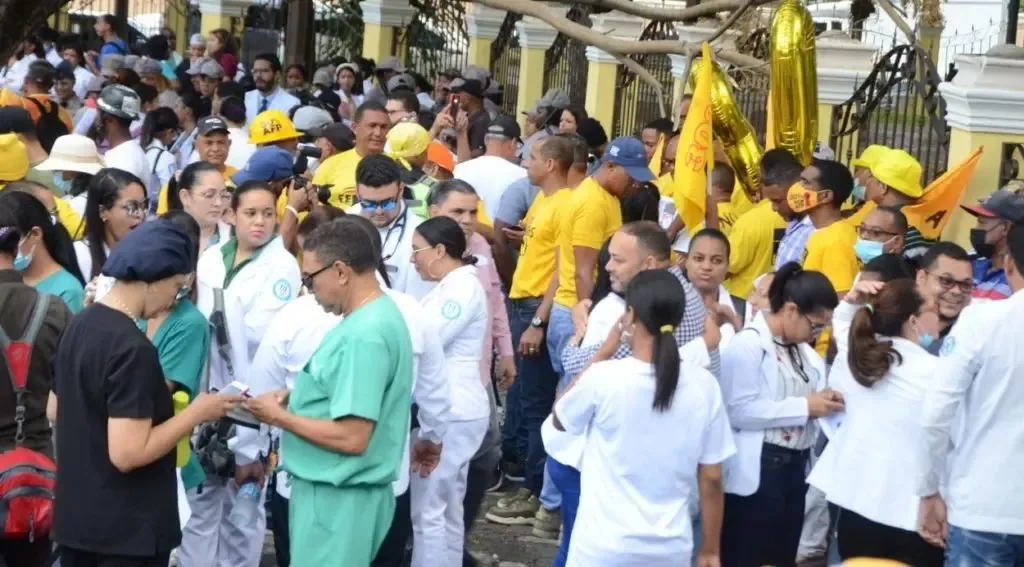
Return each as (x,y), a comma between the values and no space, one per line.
(17,303)
(107,368)
(478,124)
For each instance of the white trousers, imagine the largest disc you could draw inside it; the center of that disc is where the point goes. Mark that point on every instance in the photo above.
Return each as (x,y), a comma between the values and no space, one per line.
(438,525)
(210,540)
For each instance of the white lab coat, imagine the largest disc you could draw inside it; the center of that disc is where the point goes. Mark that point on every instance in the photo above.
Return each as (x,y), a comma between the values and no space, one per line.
(749,386)
(396,249)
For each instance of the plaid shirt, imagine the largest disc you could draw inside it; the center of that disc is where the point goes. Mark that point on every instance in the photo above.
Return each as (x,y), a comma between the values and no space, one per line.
(791,248)
(575,359)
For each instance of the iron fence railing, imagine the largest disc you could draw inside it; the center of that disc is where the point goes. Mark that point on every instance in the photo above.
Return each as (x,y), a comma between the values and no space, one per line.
(506,55)
(636,101)
(437,38)
(750,93)
(565,62)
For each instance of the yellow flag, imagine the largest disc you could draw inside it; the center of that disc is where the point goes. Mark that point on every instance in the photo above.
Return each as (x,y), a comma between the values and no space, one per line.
(769,128)
(655,164)
(932,211)
(695,156)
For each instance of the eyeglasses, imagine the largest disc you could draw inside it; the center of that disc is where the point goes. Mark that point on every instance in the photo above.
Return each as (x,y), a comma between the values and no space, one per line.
(871,232)
(386,205)
(948,283)
(307,281)
(135,209)
(816,328)
(416,251)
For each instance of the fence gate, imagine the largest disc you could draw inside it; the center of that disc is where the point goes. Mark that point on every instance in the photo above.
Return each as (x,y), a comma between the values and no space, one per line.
(750,88)
(339,31)
(505,59)
(565,62)
(636,101)
(898,105)
(436,39)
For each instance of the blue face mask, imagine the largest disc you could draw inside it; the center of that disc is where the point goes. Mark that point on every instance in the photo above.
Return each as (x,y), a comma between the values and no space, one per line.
(62,185)
(868,250)
(23,261)
(858,191)
(926,340)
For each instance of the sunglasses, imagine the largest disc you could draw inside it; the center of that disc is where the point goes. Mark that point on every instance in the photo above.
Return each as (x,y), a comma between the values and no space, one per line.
(386,205)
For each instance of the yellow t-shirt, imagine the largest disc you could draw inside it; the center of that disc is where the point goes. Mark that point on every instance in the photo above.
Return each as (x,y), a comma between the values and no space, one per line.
(69,219)
(830,251)
(339,172)
(726,217)
(857,217)
(588,218)
(161,203)
(753,241)
(537,253)
(664,185)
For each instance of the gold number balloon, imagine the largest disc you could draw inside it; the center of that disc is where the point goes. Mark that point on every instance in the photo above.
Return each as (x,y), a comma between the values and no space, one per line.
(794,80)
(732,129)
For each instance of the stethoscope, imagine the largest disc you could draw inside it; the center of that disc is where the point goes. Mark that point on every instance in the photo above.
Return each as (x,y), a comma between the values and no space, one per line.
(400,225)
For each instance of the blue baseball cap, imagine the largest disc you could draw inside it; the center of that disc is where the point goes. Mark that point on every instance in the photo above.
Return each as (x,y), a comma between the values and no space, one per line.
(629,153)
(265,164)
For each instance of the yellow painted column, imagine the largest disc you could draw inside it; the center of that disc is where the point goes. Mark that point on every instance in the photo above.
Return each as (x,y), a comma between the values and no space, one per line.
(602,79)
(380,20)
(214,20)
(480,52)
(482,25)
(176,19)
(982,109)
(377,42)
(535,37)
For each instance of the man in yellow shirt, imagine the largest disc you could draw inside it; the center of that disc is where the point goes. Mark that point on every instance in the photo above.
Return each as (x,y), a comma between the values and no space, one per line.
(591,216)
(370,126)
(824,186)
(212,144)
(530,302)
(723,182)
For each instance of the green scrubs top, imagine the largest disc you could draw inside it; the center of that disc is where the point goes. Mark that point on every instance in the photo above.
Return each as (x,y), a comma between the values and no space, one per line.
(182,342)
(342,505)
(65,286)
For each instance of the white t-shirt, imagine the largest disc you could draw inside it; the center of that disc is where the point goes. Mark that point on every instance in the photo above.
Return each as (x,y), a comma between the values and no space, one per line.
(128,156)
(241,150)
(162,166)
(84,257)
(490,176)
(638,470)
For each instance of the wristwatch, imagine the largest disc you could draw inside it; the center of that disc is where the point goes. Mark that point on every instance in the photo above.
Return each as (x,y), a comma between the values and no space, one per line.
(538,322)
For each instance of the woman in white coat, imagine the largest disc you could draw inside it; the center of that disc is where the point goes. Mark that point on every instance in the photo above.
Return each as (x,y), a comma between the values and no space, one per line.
(882,330)
(459,306)
(257,276)
(771,382)
(200,191)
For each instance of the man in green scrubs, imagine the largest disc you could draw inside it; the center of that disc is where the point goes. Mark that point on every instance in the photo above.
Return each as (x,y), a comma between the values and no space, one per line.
(348,415)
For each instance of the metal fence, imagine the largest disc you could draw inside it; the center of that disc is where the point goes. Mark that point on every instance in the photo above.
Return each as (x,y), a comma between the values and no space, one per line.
(636,101)
(436,39)
(339,30)
(506,55)
(898,105)
(750,91)
(141,19)
(565,62)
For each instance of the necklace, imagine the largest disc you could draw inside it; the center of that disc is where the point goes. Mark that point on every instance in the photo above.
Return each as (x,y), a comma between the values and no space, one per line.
(372,295)
(123,308)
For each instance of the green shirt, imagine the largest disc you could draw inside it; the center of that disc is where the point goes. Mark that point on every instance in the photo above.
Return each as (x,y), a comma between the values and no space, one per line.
(228,251)
(182,342)
(65,286)
(362,368)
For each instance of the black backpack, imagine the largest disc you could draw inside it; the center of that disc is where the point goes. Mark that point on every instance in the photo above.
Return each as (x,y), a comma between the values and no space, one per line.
(50,126)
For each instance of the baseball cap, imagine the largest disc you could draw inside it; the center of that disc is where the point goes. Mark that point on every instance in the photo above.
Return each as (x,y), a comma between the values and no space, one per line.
(504,126)
(438,153)
(196,66)
(402,82)
(197,39)
(131,60)
(629,153)
(391,64)
(265,164)
(271,126)
(899,170)
(211,124)
(472,87)
(869,157)
(1002,204)
(148,66)
(406,140)
(308,117)
(339,135)
(323,77)
(95,85)
(112,63)
(13,158)
(211,69)
(15,120)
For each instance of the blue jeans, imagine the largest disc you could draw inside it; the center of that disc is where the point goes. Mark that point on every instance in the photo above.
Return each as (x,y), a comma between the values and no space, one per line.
(560,330)
(567,479)
(537,382)
(969,548)
(513,445)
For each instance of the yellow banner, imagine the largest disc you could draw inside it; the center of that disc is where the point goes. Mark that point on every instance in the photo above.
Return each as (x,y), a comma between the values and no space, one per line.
(659,150)
(932,211)
(695,156)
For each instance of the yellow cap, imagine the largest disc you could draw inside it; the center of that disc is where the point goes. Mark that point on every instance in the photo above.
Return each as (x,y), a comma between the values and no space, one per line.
(272,126)
(13,158)
(871,562)
(870,156)
(406,140)
(899,170)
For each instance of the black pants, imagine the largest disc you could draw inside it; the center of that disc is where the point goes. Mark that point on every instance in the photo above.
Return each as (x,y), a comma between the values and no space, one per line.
(861,537)
(25,553)
(392,552)
(77,558)
(764,528)
(278,506)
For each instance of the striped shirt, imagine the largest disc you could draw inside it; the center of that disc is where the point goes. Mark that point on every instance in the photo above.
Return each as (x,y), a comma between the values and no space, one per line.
(989,283)
(794,241)
(915,244)
(793,383)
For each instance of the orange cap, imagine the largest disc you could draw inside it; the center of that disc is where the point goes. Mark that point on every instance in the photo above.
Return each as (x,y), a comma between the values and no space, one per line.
(438,153)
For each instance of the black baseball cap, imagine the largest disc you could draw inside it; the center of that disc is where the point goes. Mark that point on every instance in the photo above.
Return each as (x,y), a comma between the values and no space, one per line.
(211,124)
(504,126)
(339,135)
(472,87)
(15,120)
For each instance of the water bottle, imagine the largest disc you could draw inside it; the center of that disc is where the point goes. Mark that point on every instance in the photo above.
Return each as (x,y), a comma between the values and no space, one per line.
(246,508)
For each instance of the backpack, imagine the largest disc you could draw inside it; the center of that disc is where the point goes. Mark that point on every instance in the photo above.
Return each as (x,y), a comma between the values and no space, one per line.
(27,477)
(50,126)
(118,45)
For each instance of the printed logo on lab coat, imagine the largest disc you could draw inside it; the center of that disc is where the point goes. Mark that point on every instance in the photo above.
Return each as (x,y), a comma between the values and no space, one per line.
(282,290)
(451,310)
(947,346)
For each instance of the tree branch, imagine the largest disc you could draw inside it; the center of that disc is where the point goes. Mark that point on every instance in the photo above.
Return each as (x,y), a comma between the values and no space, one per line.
(897,19)
(646,77)
(623,46)
(731,20)
(661,13)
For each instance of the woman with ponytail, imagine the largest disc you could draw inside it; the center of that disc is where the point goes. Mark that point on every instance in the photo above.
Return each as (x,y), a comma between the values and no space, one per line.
(637,475)
(882,332)
(773,383)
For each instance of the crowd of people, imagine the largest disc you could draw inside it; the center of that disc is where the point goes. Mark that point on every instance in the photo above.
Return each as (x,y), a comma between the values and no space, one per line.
(357,303)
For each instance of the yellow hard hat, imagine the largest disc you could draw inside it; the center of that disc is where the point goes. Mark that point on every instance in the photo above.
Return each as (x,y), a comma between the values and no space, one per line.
(870,156)
(899,170)
(272,126)
(13,158)
(406,140)
(871,562)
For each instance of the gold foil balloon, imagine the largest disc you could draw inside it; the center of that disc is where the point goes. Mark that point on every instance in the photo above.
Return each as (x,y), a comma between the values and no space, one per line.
(732,129)
(794,80)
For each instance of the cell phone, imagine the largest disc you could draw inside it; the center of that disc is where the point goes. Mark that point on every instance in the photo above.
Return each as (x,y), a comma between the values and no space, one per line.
(235,387)
(453,106)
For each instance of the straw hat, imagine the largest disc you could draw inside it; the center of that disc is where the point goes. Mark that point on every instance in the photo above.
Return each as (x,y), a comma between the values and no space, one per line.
(73,153)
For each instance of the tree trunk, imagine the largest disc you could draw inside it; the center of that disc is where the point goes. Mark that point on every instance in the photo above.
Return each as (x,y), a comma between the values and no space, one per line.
(20,17)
